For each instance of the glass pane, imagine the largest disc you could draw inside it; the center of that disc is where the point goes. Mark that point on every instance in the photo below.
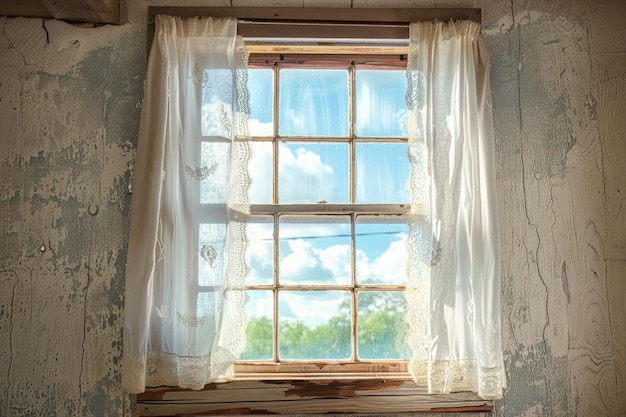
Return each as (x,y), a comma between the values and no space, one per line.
(261,89)
(212,172)
(313,102)
(381,328)
(382,170)
(261,171)
(314,325)
(259,332)
(380,106)
(380,250)
(314,250)
(310,172)
(210,258)
(260,253)
(204,318)
(217,97)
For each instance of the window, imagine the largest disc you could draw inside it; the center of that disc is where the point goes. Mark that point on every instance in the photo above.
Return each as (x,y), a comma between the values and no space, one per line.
(327,253)
(325,301)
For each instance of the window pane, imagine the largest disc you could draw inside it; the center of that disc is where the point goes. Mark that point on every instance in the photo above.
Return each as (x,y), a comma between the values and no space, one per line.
(261,89)
(212,172)
(313,102)
(210,258)
(204,318)
(314,250)
(313,172)
(260,253)
(259,332)
(217,95)
(380,250)
(260,168)
(382,170)
(314,325)
(380,105)
(381,328)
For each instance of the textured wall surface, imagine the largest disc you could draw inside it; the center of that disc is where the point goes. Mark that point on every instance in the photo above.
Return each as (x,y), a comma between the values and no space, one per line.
(70,100)
(69,105)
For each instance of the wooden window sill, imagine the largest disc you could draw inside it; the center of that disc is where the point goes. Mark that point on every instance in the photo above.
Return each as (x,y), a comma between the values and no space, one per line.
(322,395)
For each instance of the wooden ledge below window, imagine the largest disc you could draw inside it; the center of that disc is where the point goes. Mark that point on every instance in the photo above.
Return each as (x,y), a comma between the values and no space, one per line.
(298,396)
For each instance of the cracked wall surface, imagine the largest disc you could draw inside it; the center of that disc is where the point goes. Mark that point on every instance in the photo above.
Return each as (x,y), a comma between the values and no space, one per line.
(70,100)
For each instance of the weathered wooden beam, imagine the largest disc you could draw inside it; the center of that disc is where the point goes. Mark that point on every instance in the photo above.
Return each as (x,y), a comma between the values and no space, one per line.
(24,8)
(86,11)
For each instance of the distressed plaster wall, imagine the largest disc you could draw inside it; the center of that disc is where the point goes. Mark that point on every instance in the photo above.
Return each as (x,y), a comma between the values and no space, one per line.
(69,101)
(69,109)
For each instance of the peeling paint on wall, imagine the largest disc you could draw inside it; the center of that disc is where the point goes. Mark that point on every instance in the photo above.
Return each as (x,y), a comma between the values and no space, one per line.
(67,149)
(70,101)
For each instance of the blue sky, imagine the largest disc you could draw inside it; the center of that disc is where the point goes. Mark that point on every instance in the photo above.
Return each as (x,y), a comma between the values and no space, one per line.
(315,103)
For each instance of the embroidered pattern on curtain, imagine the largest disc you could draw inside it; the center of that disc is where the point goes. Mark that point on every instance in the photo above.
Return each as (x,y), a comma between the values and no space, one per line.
(453,290)
(185,298)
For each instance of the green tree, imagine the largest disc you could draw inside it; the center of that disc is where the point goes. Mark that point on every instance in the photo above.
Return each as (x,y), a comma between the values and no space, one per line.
(381,326)
(380,332)
(330,340)
(259,339)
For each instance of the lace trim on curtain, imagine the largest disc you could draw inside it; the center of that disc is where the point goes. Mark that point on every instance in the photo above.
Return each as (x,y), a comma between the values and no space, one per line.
(167,369)
(241,153)
(232,339)
(418,241)
(445,376)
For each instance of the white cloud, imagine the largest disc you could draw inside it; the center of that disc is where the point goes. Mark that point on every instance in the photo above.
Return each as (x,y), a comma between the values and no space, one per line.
(307,264)
(260,129)
(304,161)
(303,175)
(303,263)
(302,258)
(390,266)
(320,306)
(263,305)
(261,263)
(336,259)
(260,169)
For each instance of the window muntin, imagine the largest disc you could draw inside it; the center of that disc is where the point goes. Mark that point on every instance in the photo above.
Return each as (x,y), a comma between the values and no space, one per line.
(326,250)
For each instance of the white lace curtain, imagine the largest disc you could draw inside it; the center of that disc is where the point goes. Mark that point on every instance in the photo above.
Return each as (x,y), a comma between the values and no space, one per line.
(454,254)
(186,269)
(184,311)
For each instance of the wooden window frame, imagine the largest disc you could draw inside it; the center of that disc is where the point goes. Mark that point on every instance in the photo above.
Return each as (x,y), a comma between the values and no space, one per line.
(301,57)
(317,388)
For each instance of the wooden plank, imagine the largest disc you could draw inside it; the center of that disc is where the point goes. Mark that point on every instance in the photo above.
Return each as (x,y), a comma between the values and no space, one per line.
(90,11)
(609,74)
(302,396)
(24,8)
(586,276)
(309,406)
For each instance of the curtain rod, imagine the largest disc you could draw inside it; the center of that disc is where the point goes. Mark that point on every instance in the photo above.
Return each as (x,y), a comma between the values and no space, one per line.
(371,16)
(319,23)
